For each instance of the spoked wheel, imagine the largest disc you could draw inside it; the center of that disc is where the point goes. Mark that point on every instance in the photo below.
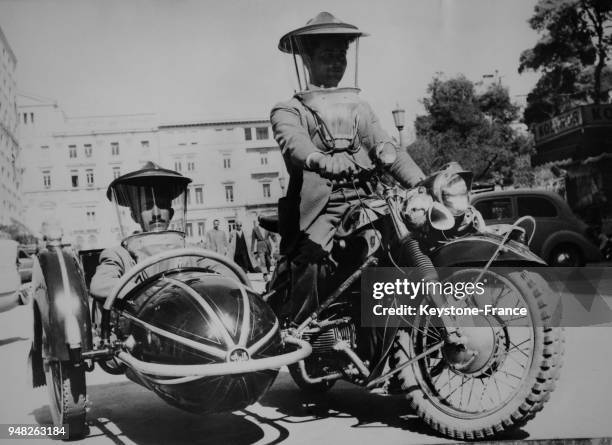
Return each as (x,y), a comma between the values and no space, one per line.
(501,373)
(67,395)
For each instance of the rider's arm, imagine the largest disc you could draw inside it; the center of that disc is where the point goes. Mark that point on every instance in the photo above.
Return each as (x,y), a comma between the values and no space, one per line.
(404,169)
(110,269)
(292,136)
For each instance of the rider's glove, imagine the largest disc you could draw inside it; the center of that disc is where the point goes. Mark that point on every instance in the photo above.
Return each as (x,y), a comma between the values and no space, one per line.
(335,165)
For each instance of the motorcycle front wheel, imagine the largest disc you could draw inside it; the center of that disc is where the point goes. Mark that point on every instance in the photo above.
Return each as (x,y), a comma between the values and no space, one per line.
(67,397)
(510,378)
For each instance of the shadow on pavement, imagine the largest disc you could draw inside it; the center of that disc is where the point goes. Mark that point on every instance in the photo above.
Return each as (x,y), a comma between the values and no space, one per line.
(124,412)
(127,412)
(345,400)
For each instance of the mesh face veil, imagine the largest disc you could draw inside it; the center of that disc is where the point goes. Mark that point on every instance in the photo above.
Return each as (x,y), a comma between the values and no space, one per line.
(324,53)
(149,200)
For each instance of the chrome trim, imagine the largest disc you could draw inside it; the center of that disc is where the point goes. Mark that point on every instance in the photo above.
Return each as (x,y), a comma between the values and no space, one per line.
(214,318)
(263,340)
(191,343)
(246,319)
(215,369)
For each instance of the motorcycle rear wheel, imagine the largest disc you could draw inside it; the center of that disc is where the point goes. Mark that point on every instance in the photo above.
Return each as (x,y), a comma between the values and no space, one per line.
(67,394)
(427,380)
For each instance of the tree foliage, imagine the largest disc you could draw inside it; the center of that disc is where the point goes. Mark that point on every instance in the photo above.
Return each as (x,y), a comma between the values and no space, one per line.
(572,56)
(474,128)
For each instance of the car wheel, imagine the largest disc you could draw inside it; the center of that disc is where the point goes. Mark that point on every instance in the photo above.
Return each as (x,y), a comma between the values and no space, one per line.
(566,255)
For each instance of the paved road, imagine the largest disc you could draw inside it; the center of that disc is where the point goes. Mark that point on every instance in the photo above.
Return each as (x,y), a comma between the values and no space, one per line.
(124,413)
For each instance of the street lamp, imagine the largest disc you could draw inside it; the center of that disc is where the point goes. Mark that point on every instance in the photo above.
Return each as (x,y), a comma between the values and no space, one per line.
(399,118)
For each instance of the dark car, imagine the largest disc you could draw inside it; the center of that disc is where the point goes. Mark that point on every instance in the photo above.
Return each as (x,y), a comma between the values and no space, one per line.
(560,237)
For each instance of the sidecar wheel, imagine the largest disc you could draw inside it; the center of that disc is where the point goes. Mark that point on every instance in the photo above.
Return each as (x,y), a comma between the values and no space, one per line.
(309,388)
(508,389)
(68,394)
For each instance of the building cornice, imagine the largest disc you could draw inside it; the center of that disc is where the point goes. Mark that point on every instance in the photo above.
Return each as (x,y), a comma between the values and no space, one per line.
(214,123)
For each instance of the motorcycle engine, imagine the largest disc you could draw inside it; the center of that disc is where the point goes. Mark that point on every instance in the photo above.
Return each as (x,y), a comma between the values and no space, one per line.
(323,342)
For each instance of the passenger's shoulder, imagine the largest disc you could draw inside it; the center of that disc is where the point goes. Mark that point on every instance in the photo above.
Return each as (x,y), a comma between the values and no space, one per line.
(291,104)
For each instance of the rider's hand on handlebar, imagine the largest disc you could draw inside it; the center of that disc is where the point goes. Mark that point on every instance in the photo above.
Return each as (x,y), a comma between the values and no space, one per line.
(335,165)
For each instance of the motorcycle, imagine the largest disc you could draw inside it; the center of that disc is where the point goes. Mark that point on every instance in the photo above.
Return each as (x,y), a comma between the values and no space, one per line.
(429,227)
(202,341)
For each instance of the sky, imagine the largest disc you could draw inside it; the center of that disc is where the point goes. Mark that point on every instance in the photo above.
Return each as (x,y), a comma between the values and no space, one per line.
(205,59)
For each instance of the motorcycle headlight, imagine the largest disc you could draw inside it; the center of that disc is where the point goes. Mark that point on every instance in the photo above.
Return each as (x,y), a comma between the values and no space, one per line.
(454,194)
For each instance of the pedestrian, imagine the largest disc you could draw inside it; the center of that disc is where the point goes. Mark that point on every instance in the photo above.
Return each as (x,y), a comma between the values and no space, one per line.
(238,250)
(261,246)
(216,239)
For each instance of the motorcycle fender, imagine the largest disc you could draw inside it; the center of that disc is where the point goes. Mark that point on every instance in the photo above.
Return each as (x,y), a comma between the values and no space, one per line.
(61,298)
(479,248)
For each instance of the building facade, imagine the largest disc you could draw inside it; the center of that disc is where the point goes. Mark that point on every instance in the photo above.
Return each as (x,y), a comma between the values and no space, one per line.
(11,211)
(236,169)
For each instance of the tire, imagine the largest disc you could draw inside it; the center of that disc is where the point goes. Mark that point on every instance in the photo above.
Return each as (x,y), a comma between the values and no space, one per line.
(67,397)
(533,389)
(309,388)
(566,255)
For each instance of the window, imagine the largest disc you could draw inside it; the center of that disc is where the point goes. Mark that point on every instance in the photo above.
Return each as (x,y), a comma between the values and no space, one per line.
(88,150)
(229,193)
(247,134)
(201,230)
(89,175)
(266,189)
(231,224)
(116,172)
(115,148)
(31,118)
(44,147)
(72,153)
(261,133)
(177,166)
(188,196)
(144,144)
(74,178)
(227,162)
(91,215)
(190,166)
(495,209)
(536,206)
(46,178)
(263,160)
(199,195)
(189,229)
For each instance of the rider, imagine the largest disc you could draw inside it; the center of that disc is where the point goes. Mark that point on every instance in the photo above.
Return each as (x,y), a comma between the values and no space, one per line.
(154,198)
(326,134)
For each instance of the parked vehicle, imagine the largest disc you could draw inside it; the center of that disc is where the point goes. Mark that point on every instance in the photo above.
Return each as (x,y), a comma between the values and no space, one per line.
(560,237)
(430,226)
(9,276)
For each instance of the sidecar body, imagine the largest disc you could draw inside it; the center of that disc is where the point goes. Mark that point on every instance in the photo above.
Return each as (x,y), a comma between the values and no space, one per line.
(204,342)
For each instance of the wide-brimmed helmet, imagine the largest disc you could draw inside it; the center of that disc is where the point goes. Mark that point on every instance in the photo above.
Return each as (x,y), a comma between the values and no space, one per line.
(301,42)
(141,190)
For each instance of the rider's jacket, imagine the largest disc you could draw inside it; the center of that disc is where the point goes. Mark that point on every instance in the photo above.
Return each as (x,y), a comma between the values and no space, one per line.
(114,262)
(295,130)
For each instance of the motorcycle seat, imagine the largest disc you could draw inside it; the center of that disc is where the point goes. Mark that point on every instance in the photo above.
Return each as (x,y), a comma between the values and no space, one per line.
(269,222)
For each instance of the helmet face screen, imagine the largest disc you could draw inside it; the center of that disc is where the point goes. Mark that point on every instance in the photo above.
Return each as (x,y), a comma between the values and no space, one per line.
(325,61)
(149,206)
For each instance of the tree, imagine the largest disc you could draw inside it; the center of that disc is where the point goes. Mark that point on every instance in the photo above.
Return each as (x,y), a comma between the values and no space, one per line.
(473,128)
(572,56)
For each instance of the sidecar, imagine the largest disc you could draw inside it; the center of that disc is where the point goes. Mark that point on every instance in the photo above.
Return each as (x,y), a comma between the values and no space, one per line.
(203,341)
